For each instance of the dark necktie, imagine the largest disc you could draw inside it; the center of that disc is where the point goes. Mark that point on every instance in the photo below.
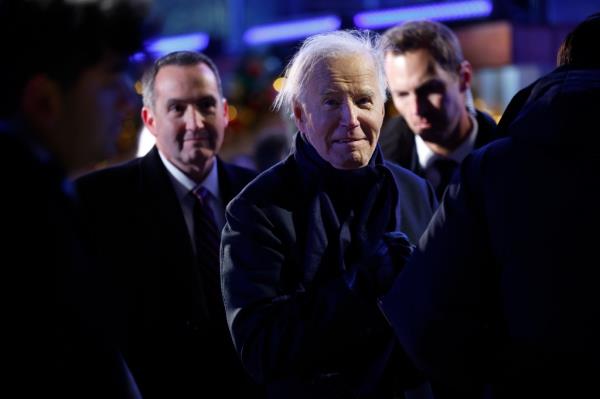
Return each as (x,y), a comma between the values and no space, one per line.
(206,235)
(445,169)
(207,240)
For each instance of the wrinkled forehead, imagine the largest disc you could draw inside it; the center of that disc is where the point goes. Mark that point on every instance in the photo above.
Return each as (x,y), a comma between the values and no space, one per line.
(343,72)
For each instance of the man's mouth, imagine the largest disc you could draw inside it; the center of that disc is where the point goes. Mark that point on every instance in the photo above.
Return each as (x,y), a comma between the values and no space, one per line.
(346,140)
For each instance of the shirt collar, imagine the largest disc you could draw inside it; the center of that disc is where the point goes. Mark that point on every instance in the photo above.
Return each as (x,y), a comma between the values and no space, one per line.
(427,156)
(183,184)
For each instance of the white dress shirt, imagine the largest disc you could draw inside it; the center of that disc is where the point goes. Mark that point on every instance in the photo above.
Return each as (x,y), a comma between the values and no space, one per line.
(183,186)
(427,157)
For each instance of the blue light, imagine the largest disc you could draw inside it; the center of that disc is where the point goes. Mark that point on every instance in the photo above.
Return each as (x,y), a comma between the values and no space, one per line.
(291,30)
(439,12)
(165,45)
(138,57)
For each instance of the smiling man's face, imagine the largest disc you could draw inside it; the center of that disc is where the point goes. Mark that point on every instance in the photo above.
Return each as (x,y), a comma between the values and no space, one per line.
(341,111)
(188,117)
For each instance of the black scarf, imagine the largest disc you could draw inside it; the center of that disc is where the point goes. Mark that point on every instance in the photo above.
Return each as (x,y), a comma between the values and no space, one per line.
(347,212)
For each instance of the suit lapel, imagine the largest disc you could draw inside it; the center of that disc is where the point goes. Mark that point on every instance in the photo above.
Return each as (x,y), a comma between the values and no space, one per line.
(175,270)
(162,205)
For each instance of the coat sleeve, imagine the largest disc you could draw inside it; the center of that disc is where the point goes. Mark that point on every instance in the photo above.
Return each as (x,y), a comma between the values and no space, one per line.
(441,303)
(278,327)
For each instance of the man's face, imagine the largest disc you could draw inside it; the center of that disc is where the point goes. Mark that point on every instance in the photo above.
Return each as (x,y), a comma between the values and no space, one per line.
(341,112)
(188,117)
(93,111)
(429,98)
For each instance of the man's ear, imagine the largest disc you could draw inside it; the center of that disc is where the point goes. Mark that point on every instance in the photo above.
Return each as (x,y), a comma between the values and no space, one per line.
(41,102)
(465,75)
(149,120)
(226,111)
(299,117)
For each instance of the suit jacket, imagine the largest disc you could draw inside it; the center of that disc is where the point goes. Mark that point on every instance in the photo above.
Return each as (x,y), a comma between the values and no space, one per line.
(398,141)
(503,287)
(56,315)
(296,324)
(176,339)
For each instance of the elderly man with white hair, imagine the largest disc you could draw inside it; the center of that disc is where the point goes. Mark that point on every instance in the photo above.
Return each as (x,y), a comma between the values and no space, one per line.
(313,243)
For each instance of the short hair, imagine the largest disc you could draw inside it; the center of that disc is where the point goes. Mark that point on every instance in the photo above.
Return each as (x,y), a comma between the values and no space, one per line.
(62,38)
(322,47)
(434,37)
(581,48)
(180,58)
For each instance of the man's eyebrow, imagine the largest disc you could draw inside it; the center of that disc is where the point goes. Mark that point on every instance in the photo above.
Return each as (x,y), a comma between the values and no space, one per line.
(328,91)
(172,101)
(433,83)
(208,98)
(366,92)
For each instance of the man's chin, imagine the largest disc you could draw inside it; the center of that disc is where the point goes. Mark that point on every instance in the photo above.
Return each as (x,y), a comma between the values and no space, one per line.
(204,151)
(201,156)
(350,161)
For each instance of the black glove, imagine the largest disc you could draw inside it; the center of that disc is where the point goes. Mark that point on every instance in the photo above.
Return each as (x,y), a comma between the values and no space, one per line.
(379,264)
(391,256)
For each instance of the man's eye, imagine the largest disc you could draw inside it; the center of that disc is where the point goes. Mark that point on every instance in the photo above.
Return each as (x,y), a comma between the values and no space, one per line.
(364,101)
(177,108)
(206,105)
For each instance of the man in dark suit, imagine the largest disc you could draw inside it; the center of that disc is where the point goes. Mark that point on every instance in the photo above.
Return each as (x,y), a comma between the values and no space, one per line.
(503,289)
(163,240)
(430,81)
(63,101)
(312,243)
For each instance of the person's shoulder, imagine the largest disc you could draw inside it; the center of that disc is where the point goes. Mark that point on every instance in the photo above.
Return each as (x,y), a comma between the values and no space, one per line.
(487,130)
(411,184)
(272,179)
(485,120)
(492,149)
(111,172)
(396,140)
(403,174)
(276,185)
(109,178)
(563,82)
(495,157)
(563,102)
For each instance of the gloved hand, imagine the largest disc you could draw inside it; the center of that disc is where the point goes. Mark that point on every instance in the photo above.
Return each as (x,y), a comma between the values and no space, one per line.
(391,256)
(379,264)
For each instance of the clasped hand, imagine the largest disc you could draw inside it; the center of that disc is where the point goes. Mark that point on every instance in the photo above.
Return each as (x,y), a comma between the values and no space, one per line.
(378,264)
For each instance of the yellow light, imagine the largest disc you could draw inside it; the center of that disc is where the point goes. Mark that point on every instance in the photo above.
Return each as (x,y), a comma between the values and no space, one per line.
(278,84)
(480,103)
(138,87)
(232,112)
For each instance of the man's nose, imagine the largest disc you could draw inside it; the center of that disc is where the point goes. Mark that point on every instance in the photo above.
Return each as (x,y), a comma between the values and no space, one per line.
(193,118)
(349,114)
(420,104)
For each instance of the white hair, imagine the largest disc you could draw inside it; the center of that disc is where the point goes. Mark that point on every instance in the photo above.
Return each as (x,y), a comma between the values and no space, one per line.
(322,47)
